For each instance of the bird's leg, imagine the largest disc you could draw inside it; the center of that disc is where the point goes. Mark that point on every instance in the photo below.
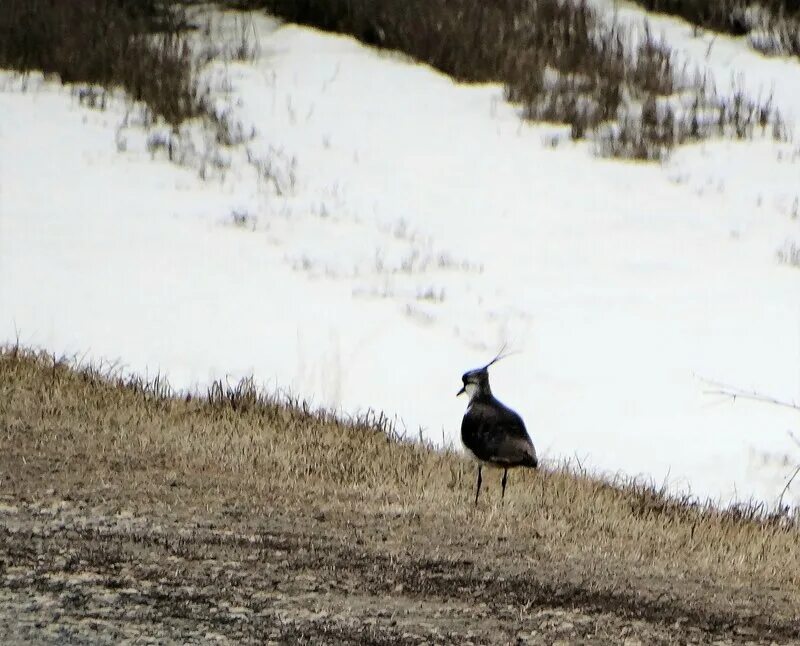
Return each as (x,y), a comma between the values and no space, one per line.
(478,490)
(505,478)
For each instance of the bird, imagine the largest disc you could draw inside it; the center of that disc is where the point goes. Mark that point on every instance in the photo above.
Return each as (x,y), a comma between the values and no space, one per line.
(491,432)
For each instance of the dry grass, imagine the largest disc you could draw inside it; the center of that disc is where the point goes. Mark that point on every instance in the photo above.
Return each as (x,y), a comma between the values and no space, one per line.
(138,45)
(560,61)
(86,427)
(789,254)
(771,26)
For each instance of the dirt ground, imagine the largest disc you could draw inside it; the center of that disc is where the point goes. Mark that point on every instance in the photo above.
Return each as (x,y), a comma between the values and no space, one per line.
(86,571)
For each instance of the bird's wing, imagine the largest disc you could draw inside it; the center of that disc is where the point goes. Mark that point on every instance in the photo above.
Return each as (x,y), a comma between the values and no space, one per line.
(512,444)
(511,423)
(497,434)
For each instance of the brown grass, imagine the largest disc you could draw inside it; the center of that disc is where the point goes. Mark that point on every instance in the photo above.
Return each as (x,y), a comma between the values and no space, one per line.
(138,45)
(560,61)
(86,433)
(771,26)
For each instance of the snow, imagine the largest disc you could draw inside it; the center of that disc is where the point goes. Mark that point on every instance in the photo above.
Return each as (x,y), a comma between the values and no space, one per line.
(386,229)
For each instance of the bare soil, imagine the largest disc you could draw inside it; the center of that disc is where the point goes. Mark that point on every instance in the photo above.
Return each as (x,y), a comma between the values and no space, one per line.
(79,571)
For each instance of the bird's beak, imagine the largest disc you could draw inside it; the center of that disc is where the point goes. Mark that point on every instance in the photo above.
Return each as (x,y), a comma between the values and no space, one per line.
(462,391)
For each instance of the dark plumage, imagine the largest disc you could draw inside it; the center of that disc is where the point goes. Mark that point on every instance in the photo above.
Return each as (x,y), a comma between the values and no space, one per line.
(493,433)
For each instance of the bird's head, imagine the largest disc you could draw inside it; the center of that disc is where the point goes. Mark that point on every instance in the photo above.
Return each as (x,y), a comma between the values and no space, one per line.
(476,382)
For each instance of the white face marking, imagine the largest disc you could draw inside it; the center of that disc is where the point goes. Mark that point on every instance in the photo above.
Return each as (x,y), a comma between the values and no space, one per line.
(471,389)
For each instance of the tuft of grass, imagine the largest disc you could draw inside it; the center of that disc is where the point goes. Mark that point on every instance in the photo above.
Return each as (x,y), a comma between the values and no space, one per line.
(557,59)
(772,26)
(74,428)
(137,45)
(789,254)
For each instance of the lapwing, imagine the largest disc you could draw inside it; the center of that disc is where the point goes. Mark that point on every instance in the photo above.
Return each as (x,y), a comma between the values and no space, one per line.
(491,432)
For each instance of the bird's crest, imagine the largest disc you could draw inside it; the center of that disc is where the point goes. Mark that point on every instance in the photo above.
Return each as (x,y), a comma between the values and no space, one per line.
(502,354)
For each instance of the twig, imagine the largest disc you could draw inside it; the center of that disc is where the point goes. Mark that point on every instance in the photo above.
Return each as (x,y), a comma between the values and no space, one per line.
(786,486)
(734,393)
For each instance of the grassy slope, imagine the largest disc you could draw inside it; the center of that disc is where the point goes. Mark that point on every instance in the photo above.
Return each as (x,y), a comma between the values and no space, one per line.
(249,519)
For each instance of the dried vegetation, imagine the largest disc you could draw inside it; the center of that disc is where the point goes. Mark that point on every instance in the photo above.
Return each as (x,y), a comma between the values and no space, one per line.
(771,26)
(561,62)
(138,45)
(89,434)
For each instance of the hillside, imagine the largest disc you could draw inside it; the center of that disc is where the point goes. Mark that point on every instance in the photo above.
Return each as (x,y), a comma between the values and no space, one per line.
(127,512)
(244,262)
(361,244)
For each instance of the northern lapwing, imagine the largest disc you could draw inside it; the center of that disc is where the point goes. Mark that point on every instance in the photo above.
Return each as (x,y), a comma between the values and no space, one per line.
(493,433)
